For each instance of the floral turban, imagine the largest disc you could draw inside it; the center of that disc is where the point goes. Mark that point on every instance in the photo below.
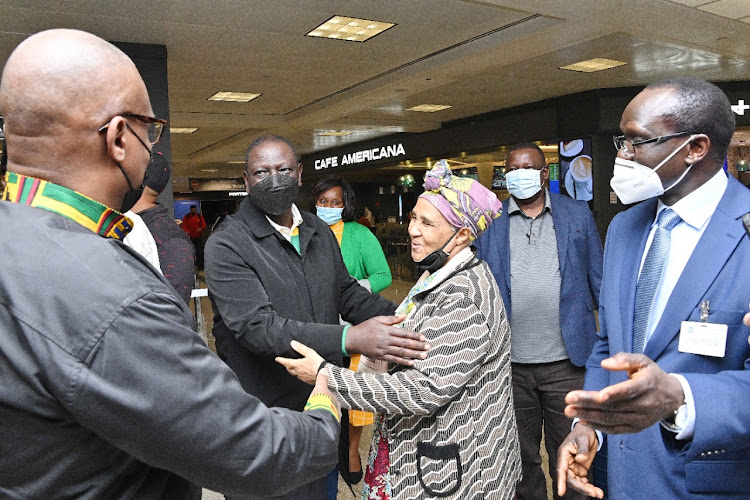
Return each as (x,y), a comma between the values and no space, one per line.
(463,202)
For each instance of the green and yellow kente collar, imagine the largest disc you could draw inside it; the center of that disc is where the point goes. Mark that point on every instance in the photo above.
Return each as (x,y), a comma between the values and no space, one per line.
(63,201)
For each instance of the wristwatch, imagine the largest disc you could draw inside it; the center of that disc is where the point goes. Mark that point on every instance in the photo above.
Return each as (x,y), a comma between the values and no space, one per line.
(678,421)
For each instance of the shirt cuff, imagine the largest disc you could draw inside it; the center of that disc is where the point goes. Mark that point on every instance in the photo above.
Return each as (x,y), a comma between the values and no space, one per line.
(599,434)
(685,428)
(343,342)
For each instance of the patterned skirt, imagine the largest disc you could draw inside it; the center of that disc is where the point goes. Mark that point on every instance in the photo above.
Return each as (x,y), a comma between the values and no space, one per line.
(377,473)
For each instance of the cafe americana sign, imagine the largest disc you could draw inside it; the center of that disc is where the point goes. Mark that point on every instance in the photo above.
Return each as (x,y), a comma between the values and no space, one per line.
(374,154)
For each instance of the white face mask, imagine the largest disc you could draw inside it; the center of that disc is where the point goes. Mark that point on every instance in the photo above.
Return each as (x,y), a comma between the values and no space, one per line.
(634,182)
(523,183)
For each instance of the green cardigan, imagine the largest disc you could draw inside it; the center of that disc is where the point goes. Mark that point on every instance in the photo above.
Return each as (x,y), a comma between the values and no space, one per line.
(363,256)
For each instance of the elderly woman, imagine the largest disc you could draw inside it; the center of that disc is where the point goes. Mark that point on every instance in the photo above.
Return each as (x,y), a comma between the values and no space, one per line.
(447,427)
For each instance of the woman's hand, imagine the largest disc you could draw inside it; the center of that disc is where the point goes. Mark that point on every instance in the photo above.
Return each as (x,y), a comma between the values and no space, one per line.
(305,368)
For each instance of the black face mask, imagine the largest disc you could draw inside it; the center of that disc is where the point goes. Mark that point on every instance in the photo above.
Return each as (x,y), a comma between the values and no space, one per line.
(275,194)
(131,196)
(436,259)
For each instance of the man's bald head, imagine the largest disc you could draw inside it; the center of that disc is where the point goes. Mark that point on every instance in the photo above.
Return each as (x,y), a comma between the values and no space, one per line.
(58,77)
(58,89)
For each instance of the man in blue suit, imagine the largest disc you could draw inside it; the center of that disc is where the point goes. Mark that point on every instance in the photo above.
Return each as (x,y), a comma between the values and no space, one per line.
(545,249)
(669,378)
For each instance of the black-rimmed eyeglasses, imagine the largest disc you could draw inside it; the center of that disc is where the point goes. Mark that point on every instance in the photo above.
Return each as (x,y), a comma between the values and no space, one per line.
(628,147)
(155,126)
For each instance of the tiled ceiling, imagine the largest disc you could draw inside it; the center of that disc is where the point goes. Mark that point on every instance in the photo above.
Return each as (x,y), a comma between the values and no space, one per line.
(475,55)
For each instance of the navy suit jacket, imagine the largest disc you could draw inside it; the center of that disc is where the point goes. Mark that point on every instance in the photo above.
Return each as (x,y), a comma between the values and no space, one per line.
(579,251)
(651,463)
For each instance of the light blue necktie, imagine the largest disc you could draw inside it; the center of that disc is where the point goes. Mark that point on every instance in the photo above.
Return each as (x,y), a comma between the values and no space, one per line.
(651,272)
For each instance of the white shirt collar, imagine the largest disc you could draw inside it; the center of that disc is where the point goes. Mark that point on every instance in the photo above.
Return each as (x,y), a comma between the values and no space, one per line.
(697,207)
(286,232)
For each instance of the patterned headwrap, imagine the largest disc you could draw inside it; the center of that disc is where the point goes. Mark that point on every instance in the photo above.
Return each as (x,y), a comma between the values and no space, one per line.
(463,202)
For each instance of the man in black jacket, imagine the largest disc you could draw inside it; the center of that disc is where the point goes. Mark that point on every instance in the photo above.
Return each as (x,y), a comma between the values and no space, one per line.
(276,274)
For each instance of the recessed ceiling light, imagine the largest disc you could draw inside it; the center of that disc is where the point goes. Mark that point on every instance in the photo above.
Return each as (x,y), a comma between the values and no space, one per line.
(429,108)
(592,65)
(350,29)
(182,130)
(210,170)
(233,96)
(335,133)
(236,162)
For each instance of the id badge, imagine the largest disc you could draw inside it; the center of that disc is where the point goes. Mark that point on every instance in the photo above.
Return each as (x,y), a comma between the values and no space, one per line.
(706,339)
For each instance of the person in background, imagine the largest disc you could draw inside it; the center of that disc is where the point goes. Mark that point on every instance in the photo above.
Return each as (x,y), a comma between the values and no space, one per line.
(107,391)
(669,377)
(176,254)
(334,202)
(447,427)
(368,215)
(276,274)
(193,224)
(546,256)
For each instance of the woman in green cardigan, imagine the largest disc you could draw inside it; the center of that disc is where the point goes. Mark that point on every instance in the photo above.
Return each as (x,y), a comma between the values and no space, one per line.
(364,259)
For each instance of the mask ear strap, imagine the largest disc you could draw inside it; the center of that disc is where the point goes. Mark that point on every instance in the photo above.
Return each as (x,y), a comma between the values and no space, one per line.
(670,156)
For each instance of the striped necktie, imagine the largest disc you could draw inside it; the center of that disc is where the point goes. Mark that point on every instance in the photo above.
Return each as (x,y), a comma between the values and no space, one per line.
(648,281)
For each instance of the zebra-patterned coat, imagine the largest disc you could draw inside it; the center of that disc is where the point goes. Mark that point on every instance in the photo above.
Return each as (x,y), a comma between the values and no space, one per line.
(450,422)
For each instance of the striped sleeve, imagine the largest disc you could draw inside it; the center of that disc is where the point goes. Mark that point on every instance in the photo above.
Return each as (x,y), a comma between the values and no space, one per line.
(458,335)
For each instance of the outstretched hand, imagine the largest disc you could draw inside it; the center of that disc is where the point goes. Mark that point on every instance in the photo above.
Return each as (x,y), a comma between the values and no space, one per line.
(378,338)
(304,368)
(648,396)
(574,458)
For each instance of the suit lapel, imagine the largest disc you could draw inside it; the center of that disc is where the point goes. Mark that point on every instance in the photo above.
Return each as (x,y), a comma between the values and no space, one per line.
(504,222)
(562,222)
(711,253)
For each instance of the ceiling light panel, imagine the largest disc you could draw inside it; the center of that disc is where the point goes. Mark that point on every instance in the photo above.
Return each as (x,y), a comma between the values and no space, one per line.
(233,96)
(182,130)
(334,133)
(429,108)
(593,65)
(350,29)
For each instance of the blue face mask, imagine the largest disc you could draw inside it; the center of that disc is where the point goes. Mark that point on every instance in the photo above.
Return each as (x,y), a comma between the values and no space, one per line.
(523,183)
(329,215)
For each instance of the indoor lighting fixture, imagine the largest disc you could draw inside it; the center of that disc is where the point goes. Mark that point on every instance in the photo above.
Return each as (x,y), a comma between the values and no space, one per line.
(350,29)
(236,162)
(210,170)
(592,65)
(429,108)
(335,133)
(233,96)
(182,130)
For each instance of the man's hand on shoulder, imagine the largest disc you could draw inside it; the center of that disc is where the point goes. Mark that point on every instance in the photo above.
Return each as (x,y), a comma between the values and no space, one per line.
(378,338)
(648,396)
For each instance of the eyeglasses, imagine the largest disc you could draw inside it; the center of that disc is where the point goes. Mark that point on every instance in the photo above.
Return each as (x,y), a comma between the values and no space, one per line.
(628,147)
(155,126)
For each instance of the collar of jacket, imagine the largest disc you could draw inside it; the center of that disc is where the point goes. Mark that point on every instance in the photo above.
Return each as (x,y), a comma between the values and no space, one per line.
(99,218)
(260,226)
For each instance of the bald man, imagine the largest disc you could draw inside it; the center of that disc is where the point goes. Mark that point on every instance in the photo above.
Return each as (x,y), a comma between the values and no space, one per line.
(106,390)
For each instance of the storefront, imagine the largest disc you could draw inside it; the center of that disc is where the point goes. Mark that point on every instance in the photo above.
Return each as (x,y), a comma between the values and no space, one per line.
(575,132)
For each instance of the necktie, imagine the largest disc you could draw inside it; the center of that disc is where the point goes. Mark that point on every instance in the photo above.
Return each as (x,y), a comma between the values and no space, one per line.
(648,282)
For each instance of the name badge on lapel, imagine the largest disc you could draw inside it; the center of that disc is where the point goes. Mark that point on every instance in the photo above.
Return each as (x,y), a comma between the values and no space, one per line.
(704,338)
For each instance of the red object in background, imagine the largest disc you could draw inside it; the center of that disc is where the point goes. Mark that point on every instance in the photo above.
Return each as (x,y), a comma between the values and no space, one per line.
(193,225)
(364,221)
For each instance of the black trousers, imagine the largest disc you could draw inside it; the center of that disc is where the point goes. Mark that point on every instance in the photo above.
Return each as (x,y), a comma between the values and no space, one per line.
(539,401)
